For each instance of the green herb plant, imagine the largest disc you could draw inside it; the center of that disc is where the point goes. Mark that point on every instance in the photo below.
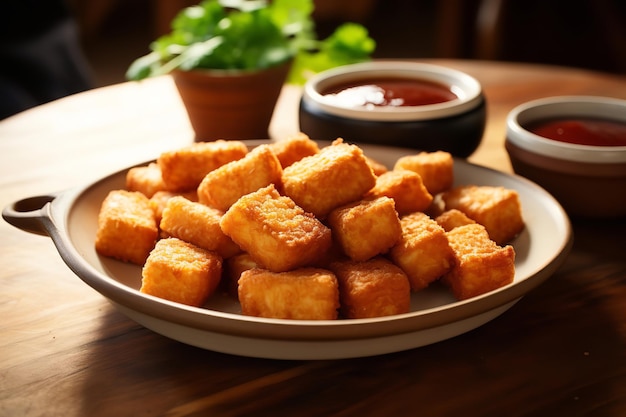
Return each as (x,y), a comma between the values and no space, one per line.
(252,35)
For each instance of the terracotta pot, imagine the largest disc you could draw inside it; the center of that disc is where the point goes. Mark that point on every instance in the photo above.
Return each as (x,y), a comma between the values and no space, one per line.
(223,104)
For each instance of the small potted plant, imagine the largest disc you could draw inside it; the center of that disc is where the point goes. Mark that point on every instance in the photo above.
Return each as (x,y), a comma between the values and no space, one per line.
(230,58)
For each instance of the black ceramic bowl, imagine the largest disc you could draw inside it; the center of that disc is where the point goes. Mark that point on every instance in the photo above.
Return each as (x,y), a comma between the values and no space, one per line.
(455,126)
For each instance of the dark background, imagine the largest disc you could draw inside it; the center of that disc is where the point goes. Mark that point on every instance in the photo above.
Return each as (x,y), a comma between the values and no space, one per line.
(582,33)
(53,48)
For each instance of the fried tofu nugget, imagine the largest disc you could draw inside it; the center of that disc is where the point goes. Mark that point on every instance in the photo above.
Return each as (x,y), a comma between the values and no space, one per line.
(497,208)
(365,228)
(181,272)
(277,233)
(481,265)
(338,174)
(223,186)
(405,187)
(453,218)
(374,288)
(127,228)
(233,268)
(197,224)
(183,169)
(145,179)
(294,149)
(423,251)
(159,200)
(435,168)
(301,294)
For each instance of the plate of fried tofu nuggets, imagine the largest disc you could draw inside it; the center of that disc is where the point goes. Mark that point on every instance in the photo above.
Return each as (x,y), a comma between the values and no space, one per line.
(304,250)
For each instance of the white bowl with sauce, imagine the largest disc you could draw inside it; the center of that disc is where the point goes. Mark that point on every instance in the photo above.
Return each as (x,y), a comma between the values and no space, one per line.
(396,103)
(575,147)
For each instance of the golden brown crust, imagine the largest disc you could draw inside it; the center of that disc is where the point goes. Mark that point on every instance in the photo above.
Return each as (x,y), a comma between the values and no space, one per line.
(481,265)
(294,149)
(374,288)
(337,175)
(159,200)
(181,272)
(127,227)
(405,187)
(453,218)
(145,179)
(365,228)
(277,233)
(301,294)
(223,186)
(435,168)
(183,169)
(197,224)
(423,251)
(497,208)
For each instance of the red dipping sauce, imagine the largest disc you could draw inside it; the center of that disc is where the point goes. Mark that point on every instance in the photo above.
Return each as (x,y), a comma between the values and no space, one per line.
(582,131)
(389,92)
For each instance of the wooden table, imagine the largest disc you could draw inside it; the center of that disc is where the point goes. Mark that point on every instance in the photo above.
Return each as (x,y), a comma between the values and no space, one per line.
(65,351)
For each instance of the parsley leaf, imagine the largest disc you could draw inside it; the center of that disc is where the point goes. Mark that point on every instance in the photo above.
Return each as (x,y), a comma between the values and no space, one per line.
(251,35)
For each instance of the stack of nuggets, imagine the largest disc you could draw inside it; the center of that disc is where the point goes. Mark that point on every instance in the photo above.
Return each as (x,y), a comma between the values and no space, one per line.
(302,232)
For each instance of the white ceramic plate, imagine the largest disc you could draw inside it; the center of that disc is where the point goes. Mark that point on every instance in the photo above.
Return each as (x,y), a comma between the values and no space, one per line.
(70,219)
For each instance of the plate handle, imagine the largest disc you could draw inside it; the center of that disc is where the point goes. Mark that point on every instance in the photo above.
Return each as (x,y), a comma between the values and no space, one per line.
(28,214)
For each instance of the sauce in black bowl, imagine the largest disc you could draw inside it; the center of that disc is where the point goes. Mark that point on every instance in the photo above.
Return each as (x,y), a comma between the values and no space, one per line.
(393,92)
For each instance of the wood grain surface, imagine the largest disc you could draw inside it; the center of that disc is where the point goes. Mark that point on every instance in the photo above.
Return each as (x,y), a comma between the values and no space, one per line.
(65,351)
